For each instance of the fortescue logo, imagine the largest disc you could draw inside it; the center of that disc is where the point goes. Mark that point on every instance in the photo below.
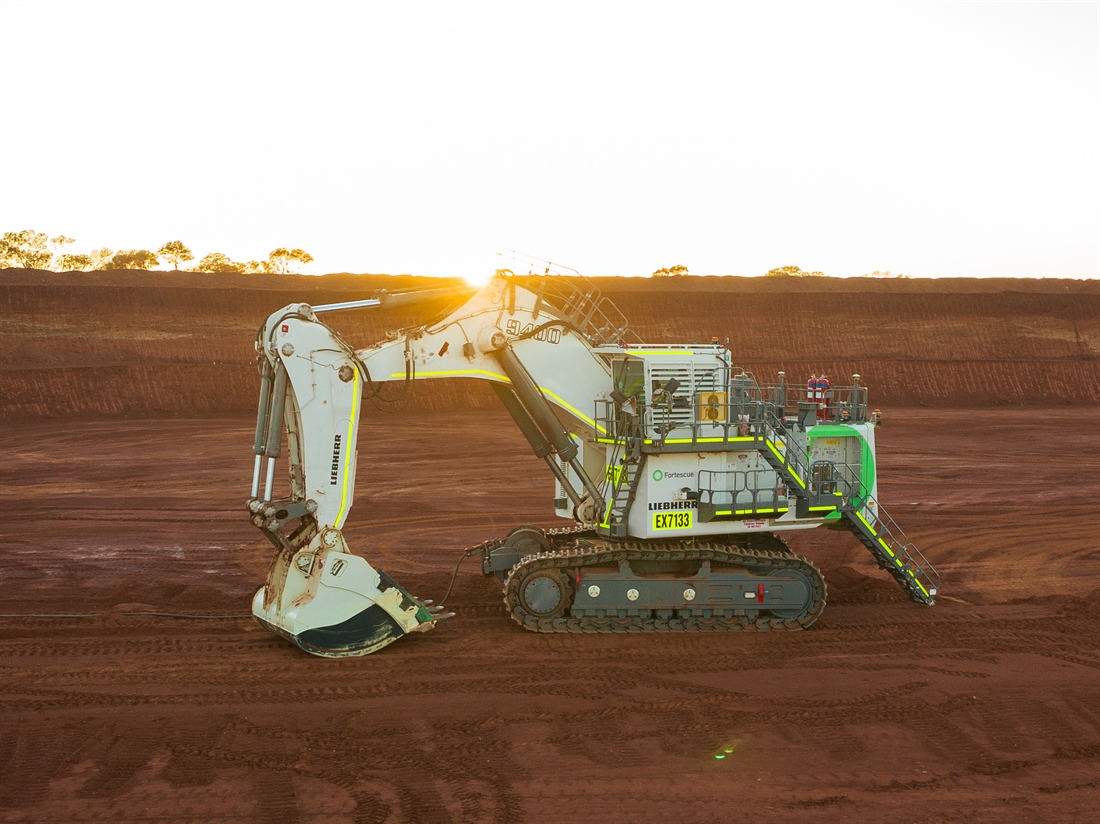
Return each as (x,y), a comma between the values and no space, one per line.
(335,461)
(658,475)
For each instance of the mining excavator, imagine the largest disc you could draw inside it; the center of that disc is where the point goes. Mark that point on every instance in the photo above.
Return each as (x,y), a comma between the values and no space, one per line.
(679,474)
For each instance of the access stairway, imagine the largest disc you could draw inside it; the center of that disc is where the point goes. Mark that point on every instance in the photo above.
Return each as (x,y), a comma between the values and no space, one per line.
(822,489)
(624,470)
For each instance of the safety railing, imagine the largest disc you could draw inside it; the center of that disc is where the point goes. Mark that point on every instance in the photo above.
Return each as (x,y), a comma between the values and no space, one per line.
(739,405)
(740,494)
(832,404)
(778,451)
(581,303)
(623,466)
(895,551)
(878,530)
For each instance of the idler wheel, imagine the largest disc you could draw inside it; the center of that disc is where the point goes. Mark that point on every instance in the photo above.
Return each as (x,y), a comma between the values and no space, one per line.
(546,594)
(521,542)
(528,538)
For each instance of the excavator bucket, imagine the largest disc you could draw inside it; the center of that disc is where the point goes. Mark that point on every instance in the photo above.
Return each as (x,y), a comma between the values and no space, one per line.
(334,604)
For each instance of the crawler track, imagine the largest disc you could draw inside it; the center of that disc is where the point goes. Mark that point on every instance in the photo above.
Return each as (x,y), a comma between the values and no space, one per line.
(684,620)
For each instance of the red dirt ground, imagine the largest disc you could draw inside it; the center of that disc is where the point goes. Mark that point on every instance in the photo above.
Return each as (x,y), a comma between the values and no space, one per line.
(125,459)
(985,707)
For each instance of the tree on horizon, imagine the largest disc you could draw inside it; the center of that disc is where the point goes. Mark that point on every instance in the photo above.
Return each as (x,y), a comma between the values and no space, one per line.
(678,270)
(25,249)
(73,263)
(59,243)
(218,263)
(792,272)
(133,259)
(175,252)
(101,258)
(886,274)
(282,261)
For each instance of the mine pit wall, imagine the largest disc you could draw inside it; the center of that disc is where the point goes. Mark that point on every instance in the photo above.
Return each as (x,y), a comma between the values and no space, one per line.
(153,344)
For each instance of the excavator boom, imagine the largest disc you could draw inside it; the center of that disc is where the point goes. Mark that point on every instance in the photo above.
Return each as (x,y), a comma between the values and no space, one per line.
(318,594)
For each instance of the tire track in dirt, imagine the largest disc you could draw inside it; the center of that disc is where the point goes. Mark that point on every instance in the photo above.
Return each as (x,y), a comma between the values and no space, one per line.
(883,711)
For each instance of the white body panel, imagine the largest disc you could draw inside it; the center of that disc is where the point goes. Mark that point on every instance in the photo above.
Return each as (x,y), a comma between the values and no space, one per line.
(569,373)
(669,478)
(324,414)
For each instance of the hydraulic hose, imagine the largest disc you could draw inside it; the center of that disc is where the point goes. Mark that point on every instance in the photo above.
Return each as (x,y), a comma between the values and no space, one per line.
(524,386)
(262,415)
(552,430)
(534,437)
(539,444)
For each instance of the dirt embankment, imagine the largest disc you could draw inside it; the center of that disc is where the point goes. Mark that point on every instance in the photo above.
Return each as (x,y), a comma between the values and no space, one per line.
(180,344)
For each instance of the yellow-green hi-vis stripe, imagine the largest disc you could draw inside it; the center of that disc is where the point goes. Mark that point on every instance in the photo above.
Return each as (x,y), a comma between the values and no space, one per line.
(469,372)
(349,454)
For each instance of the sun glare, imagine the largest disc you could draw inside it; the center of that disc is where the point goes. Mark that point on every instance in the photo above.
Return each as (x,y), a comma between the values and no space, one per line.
(479,278)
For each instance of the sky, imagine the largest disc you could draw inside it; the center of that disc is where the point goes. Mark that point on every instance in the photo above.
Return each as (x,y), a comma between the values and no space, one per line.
(931,139)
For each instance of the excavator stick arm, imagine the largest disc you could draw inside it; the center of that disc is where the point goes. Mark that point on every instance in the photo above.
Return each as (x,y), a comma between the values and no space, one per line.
(318,594)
